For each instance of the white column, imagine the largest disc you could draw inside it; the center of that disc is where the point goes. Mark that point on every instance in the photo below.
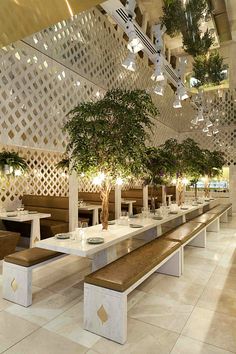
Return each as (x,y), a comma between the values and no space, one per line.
(73,201)
(145,196)
(232,187)
(117,201)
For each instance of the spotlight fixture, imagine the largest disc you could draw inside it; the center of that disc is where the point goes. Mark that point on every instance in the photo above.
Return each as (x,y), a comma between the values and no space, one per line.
(194,121)
(135,44)
(158,73)
(200,115)
(209,133)
(209,123)
(182,93)
(159,90)
(215,131)
(205,129)
(129,63)
(177,102)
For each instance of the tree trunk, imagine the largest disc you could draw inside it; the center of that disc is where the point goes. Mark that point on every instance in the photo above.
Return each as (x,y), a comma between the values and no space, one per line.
(195,190)
(105,192)
(180,192)
(206,187)
(153,199)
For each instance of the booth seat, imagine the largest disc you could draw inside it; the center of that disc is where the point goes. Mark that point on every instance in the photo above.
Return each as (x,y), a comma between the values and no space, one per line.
(94,198)
(58,207)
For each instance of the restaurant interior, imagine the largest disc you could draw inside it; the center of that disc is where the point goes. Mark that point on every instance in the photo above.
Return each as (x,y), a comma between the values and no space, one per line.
(118,177)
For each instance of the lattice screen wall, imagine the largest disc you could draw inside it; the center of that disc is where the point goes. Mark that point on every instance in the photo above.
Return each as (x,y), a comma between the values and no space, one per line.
(225,140)
(41,178)
(46,75)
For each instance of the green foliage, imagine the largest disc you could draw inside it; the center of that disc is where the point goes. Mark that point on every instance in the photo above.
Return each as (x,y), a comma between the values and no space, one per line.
(195,43)
(215,68)
(188,159)
(109,135)
(185,20)
(200,71)
(63,163)
(158,165)
(213,162)
(208,70)
(173,17)
(13,160)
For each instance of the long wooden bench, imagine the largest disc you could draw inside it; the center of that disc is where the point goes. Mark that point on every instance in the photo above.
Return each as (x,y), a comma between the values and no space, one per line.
(223,211)
(17,273)
(106,290)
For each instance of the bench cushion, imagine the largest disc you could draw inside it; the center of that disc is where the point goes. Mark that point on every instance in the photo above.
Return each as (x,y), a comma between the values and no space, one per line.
(184,232)
(219,209)
(205,218)
(8,242)
(127,270)
(31,256)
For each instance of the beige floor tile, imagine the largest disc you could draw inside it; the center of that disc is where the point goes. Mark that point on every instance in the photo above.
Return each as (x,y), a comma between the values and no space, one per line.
(142,339)
(205,253)
(173,288)
(185,345)
(222,281)
(213,328)
(208,265)
(198,276)
(13,329)
(70,325)
(162,312)
(43,311)
(134,297)
(219,300)
(46,342)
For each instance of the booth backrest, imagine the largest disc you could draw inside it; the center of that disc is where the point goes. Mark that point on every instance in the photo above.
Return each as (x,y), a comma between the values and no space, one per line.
(58,207)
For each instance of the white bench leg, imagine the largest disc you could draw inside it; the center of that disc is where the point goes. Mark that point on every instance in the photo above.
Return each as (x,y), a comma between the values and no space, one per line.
(17,284)
(173,266)
(224,217)
(199,240)
(214,226)
(105,312)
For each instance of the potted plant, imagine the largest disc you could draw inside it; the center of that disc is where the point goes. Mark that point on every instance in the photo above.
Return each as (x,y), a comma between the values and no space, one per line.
(107,139)
(12,164)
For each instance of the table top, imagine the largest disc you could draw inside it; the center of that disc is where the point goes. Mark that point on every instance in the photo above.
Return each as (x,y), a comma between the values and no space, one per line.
(26,217)
(90,207)
(115,234)
(127,201)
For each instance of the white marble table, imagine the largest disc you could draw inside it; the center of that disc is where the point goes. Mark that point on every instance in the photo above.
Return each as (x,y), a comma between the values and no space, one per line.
(104,253)
(35,234)
(94,208)
(130,203)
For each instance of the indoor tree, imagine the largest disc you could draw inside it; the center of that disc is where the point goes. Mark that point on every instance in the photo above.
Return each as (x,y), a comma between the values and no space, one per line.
(187,161)
(157,169)
(107,138)
(212,167)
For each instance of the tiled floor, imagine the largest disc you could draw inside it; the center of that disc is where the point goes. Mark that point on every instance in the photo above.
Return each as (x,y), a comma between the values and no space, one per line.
(189,315)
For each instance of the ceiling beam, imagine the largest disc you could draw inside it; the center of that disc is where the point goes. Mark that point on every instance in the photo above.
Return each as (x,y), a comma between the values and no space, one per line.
(22,18)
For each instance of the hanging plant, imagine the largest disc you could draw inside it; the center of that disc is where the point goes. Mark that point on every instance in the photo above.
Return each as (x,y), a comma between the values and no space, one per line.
(208,70)
(215,68)
(200,70)
(195,43)
(63,164)
(10,162)
(173,17)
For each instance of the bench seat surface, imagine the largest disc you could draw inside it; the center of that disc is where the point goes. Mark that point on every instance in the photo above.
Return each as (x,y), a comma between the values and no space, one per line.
(31,256)
(184,232)
(127,270)
(219,209)
(205,218)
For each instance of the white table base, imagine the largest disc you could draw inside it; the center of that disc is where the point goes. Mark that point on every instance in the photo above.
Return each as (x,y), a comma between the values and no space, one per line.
(103,257)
